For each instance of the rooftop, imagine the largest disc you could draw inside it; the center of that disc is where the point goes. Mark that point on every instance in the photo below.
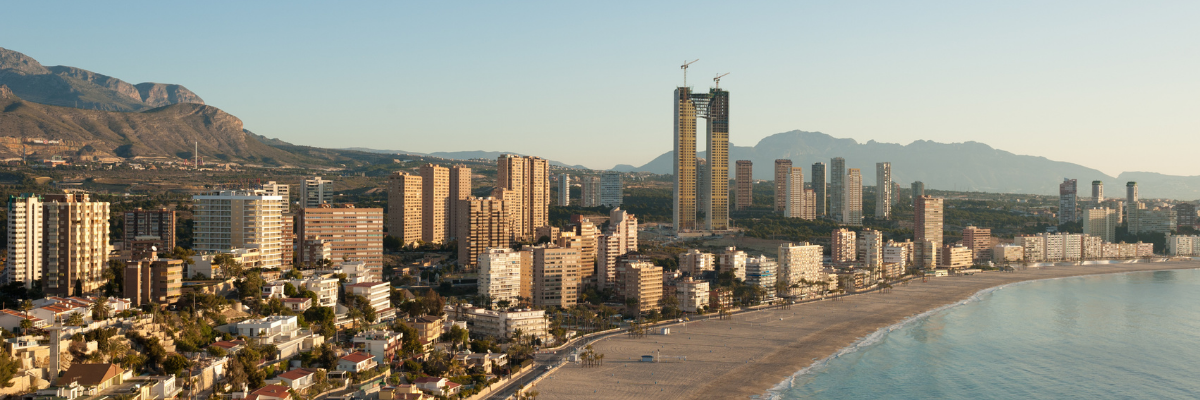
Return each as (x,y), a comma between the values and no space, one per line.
(356,357)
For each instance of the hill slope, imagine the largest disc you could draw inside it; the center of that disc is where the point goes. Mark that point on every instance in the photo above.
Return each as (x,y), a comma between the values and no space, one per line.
(963,166)
(80,88)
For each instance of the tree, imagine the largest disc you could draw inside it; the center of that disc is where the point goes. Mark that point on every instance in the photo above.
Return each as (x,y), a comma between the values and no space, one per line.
(293,274)
(458,336)
(175,363)
(8,368)
(100,309)
(26,306)
(75,319)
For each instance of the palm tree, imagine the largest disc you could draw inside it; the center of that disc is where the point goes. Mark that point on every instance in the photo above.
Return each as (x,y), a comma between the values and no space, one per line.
(26,306)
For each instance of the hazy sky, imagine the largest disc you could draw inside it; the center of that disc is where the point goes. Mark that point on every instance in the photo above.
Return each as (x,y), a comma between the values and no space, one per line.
(1113,85)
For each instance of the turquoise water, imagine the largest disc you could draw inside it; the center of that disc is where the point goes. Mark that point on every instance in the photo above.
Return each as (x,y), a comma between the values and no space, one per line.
(1133,335)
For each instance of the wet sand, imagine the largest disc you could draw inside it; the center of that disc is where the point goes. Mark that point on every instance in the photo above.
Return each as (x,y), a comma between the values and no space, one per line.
(755,351)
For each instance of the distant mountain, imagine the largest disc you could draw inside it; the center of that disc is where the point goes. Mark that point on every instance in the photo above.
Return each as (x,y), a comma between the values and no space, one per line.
(953,166)
(462,155)
(80,88)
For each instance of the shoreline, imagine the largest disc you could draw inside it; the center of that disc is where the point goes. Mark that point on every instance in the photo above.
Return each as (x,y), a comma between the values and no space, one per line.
(759,354)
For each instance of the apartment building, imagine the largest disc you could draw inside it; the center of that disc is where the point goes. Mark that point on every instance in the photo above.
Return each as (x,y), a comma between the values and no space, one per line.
(353,234)
(500,274)
(405,203)
(556,280)
(314,192)
(153,281)
(240,219)
(75,244)
(641,285)
(156,226)
(24,261)
(484,223)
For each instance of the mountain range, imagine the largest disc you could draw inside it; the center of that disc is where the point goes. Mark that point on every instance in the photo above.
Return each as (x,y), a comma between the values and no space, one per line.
(461,155)
(969,166)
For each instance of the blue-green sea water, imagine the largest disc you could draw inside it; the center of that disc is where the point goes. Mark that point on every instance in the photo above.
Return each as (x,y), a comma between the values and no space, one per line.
(1121,336)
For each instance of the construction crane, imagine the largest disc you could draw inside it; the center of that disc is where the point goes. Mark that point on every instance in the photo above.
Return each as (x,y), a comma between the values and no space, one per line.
(718,79)
(685,67)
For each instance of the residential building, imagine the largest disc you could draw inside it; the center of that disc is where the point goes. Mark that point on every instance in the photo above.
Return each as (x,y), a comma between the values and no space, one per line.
(564,190)
(1101,222)
(528,179)
(734,260)
(956,257)
(500,274)
(75,244)
(702,184)
(897,254)
(837,187)
(326,288)
(315,191)
(435,204)
(153,281)
(1158,220)
(1097,193)
(1033,247)
(979,240)
(783,170)
(1185,214)
(484,223)
(808,209)
(717,197)
(270,392)
(852,198)
(502,324)
(281,331)
(437,386)
(842,248)
(744,178)
(157,226)
(381,344)
(762,272)
(378,294)
(695,262)
(460,189)
(620,239)
(692,295)
(612,194)
(287,240)
(297,379)
(713,106)
(94,377)
(276,189)
(641,286)
(240,219)
(883,190)
(430,328)
(556,280)
(297,304)
(356,362)
(1131,198)
(1008,253)
(1092,247)
(820,188)
(24,257)
(1067,201)
(1054,245)
(795,205)
(869,249)
(405,202)
(248,258)
(799,261)
(353,234)
(918,190)
(589,191)
(927,227)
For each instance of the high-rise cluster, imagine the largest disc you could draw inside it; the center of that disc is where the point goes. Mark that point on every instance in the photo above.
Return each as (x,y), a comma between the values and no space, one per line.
(59,241)
(714,108)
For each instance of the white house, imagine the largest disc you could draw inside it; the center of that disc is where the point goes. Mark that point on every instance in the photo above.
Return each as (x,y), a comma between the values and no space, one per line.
(356,362)
(437,386)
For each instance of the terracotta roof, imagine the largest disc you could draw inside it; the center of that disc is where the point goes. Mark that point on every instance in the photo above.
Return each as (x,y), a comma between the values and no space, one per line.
(452,385)
(427,379)
(367,284)
(295,374)
(272,391)
(56,308)
(89,374)
(229,344)
(357,357)
(14,313)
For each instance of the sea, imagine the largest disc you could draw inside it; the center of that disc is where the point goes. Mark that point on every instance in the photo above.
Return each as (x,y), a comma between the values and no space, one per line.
(1118,336)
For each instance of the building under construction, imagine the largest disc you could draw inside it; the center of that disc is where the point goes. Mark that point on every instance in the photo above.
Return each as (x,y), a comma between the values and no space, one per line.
(713,107)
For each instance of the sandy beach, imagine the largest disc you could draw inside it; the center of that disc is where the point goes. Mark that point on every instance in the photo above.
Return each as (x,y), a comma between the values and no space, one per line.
(753,352)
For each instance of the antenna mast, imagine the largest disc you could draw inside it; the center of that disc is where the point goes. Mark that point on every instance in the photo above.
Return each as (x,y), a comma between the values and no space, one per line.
(718,79)
(685,67)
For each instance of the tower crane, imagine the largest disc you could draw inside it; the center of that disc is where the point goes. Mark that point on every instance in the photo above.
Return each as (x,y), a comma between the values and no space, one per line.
(685,67)
(718,79)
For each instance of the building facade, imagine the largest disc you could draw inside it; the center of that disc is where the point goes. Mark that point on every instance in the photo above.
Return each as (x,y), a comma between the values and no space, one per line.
(819,186)
(528,181)
(240,219)
(405,207)
(353,234)
(314,192)
(556,279)
(24,261)
(612,194)
(500,274)
(883,190)
(152,225)
(783,170)
(852,198)
(75,244)
(1068,201)
(837,187)
(484,223)
(927,229)
(744,178)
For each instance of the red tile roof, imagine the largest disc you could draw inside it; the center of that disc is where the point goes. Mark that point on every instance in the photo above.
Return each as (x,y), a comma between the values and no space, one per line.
(295,374)
(357,357)
(14,313)
(90,374)
(272,391)
(229,344)
(427,379)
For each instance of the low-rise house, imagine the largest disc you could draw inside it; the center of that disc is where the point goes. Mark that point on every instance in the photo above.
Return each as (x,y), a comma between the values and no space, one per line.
(430,327)
(274,290)
(230,346)
(159,387)
(437,386)
(11,320)
(27,351)
(94,377)
(356,362)
(281,331)
(298,379)
(270,392)
(298,304)
(483,360)
(403,392)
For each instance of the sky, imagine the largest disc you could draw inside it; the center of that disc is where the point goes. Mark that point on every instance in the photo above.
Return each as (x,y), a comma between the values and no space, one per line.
(1111,85)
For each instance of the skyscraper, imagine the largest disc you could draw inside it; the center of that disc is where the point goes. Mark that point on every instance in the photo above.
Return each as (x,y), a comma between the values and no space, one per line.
(745,189)
(233,219)
(24,262)
(1067,201)
(404,207)
(883,190)
(528,178)
(837,187)
(281,190)
(1097,193)
(927,230)
(314,192)
(702,188)
(819,188)
(460,189)
(795,194)
(783,168)
(979,240)
(483,223)
(843,247)
(590,190)
(1131,199)
(852,198)
(435,204)
(684,208)
(354,234)
(75,243)
(611,192)
(564,190)
(918,190)
(718,160)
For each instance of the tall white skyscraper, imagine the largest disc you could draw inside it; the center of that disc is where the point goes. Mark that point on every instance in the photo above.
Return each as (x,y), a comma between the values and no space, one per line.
(240,219)
(794,207)
(24,263)
(837,187)
(500,274)
(883,190)
(564,190)
(852,198)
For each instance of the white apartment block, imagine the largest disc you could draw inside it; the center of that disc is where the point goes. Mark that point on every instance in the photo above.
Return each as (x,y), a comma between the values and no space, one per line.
(564,190)
(696,262)
(692,295)
(1033,248)
(325,287)
(794,204)
(734,260)
(381,344)
(240,219)
(611,192)
(1072,247)
(316,191)
(378,294)
(896,254)
(275,189)
(1101,222)
(282,331)
(869,249)
(24,262)
(502,324)
(761,271)
(1053,247)
(1092,247)
(500,274)
(800,261)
